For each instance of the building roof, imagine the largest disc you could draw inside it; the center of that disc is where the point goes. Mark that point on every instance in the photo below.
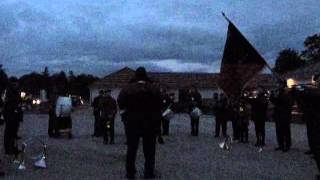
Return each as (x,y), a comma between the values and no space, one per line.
(174,80)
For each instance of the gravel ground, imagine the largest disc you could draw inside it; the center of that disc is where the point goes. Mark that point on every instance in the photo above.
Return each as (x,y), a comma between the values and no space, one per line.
(181,157)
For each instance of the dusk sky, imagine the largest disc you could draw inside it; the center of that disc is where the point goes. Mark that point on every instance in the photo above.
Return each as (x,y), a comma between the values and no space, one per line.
(100,36)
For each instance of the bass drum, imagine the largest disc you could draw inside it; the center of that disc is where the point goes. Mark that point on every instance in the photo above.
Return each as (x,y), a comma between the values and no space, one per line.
(63,106)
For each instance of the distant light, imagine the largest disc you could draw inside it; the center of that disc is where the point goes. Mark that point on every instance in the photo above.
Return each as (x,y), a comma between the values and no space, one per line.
(312,80)
(36,101)
(22,94)
(290,83)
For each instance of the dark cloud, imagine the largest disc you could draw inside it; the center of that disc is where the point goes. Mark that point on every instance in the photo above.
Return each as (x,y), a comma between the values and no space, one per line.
(101,36)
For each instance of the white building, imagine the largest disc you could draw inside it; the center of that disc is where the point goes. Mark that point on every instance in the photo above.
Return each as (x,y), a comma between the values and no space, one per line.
(206,83)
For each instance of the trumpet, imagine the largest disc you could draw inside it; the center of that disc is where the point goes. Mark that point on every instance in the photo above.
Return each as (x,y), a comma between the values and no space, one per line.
(226,144)
(40,160)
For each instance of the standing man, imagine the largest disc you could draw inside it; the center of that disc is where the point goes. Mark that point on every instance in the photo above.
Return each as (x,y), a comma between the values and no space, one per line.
(142,103)
(13,115)
(97,132)
(259,107)
(107,108)
(53,129)
(282,117)
(308,100)
(194,102)
(220,110)
(167,103)
(243,121)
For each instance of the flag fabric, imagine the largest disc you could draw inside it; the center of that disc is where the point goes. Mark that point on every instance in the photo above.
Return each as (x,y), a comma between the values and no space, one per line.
(240,62)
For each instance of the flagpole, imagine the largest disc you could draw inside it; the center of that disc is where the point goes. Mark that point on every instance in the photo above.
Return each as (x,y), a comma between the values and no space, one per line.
(268,66)
(224,15)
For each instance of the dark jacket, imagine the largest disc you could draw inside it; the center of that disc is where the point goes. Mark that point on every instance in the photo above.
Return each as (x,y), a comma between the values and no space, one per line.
(259,107)
(282,106)
(194,100)
(142,104)
(107,107)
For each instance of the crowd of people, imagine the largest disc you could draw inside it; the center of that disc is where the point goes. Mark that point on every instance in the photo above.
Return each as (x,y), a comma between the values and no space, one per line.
(146,109)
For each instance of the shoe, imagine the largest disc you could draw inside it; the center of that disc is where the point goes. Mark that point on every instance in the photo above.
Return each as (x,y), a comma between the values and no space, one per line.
(278,148)
(318,177)
(70,136)
(309,152)
(2,173)
(111,142)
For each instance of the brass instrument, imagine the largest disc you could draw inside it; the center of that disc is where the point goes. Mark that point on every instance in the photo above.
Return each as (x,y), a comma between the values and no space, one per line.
(226,144)
(40,159)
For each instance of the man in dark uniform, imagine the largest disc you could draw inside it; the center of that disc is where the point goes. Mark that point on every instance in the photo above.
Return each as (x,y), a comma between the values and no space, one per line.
(97,132)
(167,102)
(1,123)
(107,108)
(233,115)
(220,110)
(142,103)
(309,101)
(259,107)
(53,129)
(243,121)
(13,115)
(194,101)
(282,117)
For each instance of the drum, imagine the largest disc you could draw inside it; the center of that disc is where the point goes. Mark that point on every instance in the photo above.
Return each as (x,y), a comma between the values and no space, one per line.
(63,106)
(196,113)
(167,114)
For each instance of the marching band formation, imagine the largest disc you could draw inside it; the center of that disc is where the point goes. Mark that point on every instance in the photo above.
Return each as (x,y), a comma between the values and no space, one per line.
(146,110)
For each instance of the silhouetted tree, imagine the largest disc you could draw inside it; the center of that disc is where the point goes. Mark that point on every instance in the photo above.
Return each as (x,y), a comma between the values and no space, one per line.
(288,60)
(60,83)
(32,83)
(47,84)
(312,48)
(81,85)
(3,79)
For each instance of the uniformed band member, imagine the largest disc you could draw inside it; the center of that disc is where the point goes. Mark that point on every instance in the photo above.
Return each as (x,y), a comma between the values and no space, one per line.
(107,108)
(97,132)
(194,101)
(259,107)
(243,121)
(2,173)
(220,110)
(282,117)
(13,115)
(142,103)
(167,102)
(309,101)
(233,115)
(53,126)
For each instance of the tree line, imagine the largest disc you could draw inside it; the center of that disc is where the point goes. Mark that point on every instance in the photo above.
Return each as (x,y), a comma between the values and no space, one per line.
(290,59)
(60,82)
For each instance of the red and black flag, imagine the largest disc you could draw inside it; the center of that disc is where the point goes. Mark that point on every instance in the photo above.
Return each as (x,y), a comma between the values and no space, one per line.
(240,62)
